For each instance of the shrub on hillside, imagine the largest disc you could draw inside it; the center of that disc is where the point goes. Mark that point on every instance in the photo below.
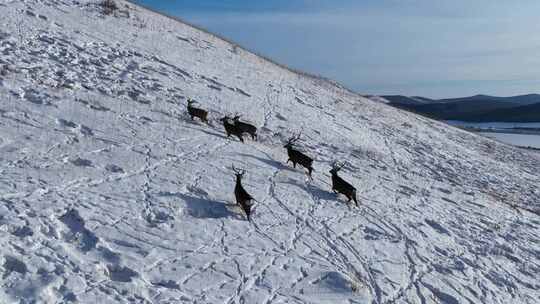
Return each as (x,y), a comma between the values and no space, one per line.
(108,7)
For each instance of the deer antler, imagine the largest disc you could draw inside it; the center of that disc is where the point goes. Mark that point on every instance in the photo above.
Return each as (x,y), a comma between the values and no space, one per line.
(299,135)
(238,171)
(337,165)
(294,138)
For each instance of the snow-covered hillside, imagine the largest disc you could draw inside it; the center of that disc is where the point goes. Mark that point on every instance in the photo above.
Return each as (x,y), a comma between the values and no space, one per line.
(109,193)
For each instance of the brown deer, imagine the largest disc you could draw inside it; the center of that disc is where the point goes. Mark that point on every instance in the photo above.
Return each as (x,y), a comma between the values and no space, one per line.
(339,185)
(296,156)
(245,127)
(231,128)
(242,197)
(196,112)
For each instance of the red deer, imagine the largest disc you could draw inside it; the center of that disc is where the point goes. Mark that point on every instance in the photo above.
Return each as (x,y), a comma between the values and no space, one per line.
(196,112)
(245,127)
(296,156)
(339,185)
(231,128)
(242,197)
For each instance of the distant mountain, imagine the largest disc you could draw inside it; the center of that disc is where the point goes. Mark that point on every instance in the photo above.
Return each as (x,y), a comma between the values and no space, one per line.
(456,110)
(478,108)
(520,99)
(527,113)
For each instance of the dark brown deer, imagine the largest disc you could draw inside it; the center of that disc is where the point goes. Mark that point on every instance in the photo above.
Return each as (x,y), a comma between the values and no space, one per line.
(339,185)
(245,127)
(297,157)
(242,197)
(196,112)
(231,128)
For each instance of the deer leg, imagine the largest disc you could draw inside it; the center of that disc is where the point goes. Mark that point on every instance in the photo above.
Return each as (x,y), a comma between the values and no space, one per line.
(247,210)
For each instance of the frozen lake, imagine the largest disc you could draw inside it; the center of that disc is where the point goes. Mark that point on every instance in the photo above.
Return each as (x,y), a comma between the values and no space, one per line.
(507,132)
(522,140)
(494,125)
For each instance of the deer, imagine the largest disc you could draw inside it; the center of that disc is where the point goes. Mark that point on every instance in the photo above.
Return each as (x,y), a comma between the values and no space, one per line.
(339,185)
(296,156)
(245,127)
(242,197)
(231,128)
(196,112)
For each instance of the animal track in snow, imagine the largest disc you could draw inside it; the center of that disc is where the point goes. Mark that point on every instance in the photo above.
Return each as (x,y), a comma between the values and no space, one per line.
(36,97)
(12,264)
(80,162)
(437,227)
(66,123)
(78,129)
(22,232)
(77,233)
(114,168)
(167,284)
(109,255)
(121,273)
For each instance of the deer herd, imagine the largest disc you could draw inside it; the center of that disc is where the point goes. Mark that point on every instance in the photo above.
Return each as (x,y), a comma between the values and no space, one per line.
(233,126)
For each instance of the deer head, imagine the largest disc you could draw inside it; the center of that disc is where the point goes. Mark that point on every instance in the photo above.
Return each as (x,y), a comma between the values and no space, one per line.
(237,117)
(238,172)
(336,166)
(225,118)
(292,140)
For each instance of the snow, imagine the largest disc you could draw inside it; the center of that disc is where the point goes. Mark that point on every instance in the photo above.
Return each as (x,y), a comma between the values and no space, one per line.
(109,193)
(378,98)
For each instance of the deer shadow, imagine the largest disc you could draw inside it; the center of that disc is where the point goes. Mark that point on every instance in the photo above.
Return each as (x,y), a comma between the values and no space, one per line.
(204,208)
(324,195)
(205,130)
(269,162)
(216,134)
(318,193)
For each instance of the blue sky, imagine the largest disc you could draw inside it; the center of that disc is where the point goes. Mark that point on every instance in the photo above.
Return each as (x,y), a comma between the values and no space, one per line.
(442,48)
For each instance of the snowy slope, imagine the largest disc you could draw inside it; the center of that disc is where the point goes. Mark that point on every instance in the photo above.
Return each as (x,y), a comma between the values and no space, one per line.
(377,98)
(401,99)
(110,194)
